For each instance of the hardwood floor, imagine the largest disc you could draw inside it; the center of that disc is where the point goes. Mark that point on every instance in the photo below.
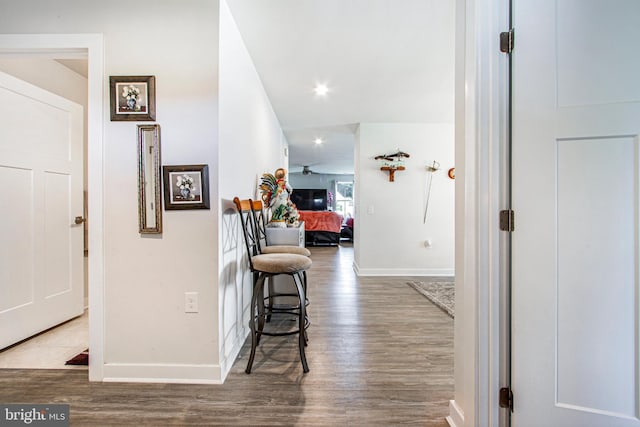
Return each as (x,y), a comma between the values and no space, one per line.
(379,354)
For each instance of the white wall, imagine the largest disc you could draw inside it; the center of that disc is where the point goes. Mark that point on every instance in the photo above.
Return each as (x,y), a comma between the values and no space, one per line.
(251,143)
(389,231)
(147,333)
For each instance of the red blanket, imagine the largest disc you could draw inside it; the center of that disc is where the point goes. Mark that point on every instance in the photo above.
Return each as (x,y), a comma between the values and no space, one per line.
(321,221)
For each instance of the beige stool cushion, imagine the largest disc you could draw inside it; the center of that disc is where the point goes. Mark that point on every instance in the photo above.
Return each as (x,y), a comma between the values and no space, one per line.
(280,263)
(285,249)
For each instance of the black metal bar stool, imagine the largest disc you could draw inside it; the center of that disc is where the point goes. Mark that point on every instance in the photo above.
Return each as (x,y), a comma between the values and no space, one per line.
(260,228)
(265,267)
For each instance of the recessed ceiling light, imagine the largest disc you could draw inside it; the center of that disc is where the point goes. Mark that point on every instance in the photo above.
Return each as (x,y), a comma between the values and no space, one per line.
(321,89)
(318,141)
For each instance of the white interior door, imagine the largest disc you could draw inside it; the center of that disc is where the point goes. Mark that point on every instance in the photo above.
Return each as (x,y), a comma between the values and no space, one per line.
(41,247)
(576,184)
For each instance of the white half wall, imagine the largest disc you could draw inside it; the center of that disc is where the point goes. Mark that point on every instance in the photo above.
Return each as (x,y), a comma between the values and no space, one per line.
(389,234)
(146,331)
(251,143)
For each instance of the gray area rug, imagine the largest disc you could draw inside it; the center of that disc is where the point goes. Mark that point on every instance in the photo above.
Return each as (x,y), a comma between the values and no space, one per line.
(440,293)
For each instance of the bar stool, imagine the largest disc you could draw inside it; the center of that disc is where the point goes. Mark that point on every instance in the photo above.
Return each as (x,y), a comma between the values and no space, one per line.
(264,267)
(259,223)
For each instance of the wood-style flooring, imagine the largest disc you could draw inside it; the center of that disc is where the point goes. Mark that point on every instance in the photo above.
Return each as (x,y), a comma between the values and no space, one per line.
(379,354)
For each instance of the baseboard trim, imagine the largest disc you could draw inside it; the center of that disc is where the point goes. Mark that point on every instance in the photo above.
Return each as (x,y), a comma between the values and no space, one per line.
(162,373)
(456,416)
(228,361)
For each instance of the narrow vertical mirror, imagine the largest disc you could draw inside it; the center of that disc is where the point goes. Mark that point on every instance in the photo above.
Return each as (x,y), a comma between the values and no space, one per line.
(149,204)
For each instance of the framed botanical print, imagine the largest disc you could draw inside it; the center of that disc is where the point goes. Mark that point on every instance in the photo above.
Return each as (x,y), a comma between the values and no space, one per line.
(186,187)
(133,98)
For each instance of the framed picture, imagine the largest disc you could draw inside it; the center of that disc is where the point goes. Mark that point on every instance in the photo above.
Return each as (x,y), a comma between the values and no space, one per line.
(133,98)
(186,187)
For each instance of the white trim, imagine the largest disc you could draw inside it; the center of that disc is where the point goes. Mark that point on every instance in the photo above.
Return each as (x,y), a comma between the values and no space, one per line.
(93,44)
(456,416)
(162,373)
(226,362)
(480,136)
(80,53)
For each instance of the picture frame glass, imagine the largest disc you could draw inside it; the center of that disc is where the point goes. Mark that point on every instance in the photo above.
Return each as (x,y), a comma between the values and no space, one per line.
(132,98)
(185,187)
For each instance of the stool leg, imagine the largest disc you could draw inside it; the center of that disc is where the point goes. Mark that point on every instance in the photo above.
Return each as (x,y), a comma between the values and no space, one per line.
(257,290)
(271,288)
(304,275)
(260,302)
(301,321)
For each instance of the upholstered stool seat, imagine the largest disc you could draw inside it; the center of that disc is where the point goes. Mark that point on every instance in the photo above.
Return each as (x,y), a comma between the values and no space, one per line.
(280,263)
(285,249)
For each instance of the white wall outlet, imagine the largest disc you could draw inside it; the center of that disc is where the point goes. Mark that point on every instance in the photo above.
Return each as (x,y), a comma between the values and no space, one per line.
(370,210)
(427,243)
(190,302)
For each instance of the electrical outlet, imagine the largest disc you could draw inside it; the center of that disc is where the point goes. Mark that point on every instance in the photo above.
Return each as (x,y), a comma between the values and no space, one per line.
(427,243)
(190,302)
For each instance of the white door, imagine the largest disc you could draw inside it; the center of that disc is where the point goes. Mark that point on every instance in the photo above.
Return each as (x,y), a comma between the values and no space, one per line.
(576,196)
(41,247)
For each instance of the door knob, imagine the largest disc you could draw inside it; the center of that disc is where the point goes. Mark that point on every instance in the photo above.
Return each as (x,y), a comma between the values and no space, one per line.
(79,220)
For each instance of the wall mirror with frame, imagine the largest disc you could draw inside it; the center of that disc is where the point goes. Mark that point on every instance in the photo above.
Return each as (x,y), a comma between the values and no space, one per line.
(149,197)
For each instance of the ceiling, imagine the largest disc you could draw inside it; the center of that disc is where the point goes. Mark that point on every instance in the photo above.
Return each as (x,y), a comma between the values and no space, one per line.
(78,65)
(383,61)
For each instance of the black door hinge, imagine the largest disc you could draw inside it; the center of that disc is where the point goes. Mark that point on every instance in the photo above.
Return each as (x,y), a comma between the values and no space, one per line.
(506,41)
(506,398)
(507,218)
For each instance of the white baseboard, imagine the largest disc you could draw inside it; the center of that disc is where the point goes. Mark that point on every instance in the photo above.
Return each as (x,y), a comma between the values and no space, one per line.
(227,362)
(162,373)
(403,271)
(456,416)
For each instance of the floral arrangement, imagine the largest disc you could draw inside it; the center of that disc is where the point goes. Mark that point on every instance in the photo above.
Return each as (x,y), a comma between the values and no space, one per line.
(131,93)
(186,185)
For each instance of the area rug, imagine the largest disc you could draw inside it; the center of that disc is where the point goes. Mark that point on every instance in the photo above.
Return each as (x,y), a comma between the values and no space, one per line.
(81,359)
(442,294)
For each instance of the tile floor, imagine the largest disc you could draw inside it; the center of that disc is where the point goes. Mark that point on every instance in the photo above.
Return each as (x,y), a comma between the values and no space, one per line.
(50,349)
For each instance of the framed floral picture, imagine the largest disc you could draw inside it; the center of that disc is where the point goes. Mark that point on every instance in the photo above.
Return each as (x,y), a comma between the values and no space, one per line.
(186,187)
(133,98)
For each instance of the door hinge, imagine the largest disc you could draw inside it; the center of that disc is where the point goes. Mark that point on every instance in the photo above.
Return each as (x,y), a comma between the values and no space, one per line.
(506,398)
(506,41)
(507,220)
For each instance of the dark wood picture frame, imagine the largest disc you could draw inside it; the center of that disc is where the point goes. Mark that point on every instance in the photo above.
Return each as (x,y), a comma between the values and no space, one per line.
(194,176)
(133,98)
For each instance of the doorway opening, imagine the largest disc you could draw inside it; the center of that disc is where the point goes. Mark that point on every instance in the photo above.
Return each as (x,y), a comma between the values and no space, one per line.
(64,75)
(91,48)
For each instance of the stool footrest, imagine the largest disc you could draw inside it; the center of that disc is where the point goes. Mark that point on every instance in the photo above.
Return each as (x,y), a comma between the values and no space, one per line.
(307,323)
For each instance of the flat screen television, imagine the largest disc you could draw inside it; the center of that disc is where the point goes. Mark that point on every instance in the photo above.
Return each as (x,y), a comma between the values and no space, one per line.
(310,199)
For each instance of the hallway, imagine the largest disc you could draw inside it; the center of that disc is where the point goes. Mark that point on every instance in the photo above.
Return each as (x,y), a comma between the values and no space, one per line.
(379,354)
